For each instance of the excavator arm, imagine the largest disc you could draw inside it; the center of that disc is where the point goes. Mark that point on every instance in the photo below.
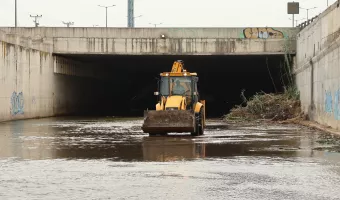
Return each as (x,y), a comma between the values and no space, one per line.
(177,67)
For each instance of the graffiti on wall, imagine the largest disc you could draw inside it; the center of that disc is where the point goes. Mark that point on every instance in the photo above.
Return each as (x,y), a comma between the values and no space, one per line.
(332,104)
(328,102)
(17,102)
(262,33)
(336,105)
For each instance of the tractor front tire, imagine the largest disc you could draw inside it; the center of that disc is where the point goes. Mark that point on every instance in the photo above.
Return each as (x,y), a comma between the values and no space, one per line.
(199,129)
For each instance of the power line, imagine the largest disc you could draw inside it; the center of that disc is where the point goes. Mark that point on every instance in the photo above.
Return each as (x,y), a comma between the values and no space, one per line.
(308,10)
(68,24)
(36,17)
(156,24)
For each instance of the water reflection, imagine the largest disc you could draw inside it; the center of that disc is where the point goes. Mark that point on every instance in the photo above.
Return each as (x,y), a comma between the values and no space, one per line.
(119,139)
(22,139)
(165,149)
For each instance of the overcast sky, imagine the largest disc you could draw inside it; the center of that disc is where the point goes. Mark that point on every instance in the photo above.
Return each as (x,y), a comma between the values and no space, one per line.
(172,13)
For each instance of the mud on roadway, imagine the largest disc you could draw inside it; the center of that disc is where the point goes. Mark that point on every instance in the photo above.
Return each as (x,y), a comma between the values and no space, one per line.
(111,158)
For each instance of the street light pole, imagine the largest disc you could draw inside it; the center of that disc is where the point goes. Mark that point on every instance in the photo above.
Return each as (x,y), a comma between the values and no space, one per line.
(106,7)
(36,17)
(68,24)
(16,19)
(308,10)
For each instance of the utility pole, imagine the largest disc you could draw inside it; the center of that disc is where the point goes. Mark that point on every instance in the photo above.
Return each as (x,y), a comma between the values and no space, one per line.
(156,24)
(133,21)
(131,8)
(36,17)
(296,21)
(293,21)
(308,10)
(106,10)
(68,24)
(16,16)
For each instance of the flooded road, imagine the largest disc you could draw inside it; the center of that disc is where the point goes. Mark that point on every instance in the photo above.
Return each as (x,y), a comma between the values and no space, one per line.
(108,158)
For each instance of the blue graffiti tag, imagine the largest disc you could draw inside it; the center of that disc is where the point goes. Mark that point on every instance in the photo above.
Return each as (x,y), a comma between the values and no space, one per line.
(17,101)
(336,105)
(328,102)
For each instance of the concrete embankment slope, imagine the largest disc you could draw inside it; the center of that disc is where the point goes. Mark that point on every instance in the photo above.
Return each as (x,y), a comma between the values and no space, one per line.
(317,68)
(34,83)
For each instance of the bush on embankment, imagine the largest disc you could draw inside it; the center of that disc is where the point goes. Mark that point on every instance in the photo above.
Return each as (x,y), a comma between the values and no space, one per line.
(274,107)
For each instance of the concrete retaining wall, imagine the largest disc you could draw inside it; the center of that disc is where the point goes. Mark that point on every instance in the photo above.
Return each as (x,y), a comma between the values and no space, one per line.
(26,79)
(32,83)
(318,68)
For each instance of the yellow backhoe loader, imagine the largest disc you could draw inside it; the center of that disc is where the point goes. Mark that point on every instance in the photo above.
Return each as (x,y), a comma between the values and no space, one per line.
(179,108)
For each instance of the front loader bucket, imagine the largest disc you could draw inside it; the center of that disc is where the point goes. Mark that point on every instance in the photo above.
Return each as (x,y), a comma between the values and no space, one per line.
(166,121)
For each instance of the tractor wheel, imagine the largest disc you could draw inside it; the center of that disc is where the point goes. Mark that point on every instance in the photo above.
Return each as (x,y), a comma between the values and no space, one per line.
(199,129)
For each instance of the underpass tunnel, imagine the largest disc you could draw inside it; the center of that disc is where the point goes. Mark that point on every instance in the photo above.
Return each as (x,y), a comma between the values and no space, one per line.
(125,85)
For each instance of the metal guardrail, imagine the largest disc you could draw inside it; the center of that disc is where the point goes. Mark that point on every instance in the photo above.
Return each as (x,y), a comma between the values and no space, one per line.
(308,22)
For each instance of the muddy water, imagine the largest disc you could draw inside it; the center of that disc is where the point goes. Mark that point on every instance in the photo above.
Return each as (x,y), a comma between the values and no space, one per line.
(108,158)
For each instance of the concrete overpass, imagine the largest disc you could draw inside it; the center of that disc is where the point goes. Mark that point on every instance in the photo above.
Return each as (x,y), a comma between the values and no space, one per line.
(164,41)
(111,71)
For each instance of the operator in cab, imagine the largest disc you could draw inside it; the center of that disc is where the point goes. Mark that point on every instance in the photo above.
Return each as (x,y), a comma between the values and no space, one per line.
(178,89)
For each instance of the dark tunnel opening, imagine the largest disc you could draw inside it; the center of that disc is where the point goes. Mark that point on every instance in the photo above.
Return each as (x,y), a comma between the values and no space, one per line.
(130,81)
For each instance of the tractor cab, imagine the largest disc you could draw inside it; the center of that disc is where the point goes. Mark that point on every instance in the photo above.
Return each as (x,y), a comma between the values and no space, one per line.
(184,86)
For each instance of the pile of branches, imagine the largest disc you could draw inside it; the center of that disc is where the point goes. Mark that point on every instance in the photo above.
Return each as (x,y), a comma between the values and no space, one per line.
(275,107)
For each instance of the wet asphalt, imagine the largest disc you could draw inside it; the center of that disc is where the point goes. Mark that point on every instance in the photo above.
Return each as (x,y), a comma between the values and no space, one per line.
(111,158)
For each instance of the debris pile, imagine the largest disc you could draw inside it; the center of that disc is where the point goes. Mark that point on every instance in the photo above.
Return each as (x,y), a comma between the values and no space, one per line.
(274,107)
